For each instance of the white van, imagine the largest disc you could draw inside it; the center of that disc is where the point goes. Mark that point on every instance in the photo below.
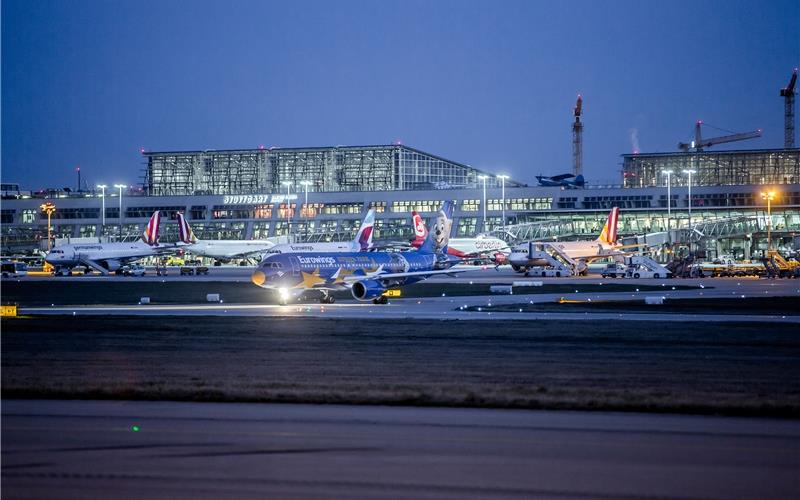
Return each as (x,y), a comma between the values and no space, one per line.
(11,269)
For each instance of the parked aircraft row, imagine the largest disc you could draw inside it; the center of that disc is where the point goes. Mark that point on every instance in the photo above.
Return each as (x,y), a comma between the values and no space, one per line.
(357,265)
(109,257)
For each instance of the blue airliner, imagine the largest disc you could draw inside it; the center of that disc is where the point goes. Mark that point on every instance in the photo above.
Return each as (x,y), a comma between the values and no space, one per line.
(367,274)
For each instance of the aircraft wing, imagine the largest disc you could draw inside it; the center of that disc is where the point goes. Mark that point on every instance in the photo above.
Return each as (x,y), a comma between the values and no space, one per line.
(248,253)
(388,276)
(560,177)
(479,253)
(390,245)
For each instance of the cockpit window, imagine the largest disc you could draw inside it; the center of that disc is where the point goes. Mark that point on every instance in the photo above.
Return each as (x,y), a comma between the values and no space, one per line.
(275,265)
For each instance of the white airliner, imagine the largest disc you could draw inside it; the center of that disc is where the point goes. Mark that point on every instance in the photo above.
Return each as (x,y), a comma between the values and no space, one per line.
(585,250)
(361,243)
(464,248)
(231,249)
(221,250)
(105,257)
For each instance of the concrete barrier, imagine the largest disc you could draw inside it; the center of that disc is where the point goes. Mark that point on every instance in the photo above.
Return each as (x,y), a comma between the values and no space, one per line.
(501,289)
(527,283)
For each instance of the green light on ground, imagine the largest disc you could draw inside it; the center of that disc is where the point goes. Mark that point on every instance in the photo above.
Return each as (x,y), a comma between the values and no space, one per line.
(135,428)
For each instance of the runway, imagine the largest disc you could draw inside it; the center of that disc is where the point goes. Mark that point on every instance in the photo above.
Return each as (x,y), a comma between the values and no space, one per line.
(242,298)
(450,307)
(80,449)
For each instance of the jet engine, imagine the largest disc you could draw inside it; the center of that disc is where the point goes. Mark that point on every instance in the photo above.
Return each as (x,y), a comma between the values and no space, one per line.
(367,290)
(111,265)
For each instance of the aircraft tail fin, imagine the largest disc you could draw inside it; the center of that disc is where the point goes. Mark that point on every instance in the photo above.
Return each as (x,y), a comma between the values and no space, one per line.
(364,235)
(185,233)
(608,236)
(420,230)
(436,240)
(151,230)
(580,181)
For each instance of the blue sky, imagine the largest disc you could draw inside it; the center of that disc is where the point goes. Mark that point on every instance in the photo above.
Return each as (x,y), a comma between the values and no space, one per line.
(491,84)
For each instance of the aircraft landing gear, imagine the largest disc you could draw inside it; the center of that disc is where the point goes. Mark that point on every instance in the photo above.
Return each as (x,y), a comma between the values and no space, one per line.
(326,298)
(381,300)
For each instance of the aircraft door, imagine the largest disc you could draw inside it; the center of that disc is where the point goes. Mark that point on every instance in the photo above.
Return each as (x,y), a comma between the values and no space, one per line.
(295,263)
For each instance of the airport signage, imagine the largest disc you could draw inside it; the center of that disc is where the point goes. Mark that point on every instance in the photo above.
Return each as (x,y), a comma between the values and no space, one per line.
(254,199)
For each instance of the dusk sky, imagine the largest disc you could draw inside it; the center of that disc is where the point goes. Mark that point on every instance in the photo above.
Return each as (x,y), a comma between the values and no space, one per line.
(490,84)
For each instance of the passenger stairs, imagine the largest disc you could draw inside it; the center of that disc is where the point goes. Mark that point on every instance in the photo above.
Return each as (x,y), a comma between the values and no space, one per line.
(544,259)
(646,263)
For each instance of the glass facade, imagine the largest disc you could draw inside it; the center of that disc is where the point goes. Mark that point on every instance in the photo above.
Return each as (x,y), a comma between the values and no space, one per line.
(350,168)
(713,168)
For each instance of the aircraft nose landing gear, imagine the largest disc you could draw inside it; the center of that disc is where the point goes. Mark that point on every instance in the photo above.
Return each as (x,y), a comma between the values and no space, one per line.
(326,298)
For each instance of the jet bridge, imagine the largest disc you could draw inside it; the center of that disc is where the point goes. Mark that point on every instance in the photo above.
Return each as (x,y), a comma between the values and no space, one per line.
(534,231)
(722,228)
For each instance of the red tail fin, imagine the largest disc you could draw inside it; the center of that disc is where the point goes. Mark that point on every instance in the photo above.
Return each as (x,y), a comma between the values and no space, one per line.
(185,231)
(420,231)
(608,235)
(151,230)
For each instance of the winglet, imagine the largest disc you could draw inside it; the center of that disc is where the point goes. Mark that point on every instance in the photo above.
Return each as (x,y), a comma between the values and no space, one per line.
(151,230)
(185,232)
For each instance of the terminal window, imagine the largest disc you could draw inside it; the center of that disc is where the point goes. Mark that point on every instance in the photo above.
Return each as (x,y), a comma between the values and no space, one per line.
(470,205)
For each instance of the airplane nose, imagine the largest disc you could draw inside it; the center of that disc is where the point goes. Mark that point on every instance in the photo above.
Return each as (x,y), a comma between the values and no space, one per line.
(258,278)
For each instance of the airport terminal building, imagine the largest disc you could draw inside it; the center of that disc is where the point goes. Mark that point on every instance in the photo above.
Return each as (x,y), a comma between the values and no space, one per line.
(322,193)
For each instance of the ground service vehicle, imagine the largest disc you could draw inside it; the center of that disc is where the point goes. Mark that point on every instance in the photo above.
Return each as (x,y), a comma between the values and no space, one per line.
(133,270)
(12,269)
(613,270)
(193,270)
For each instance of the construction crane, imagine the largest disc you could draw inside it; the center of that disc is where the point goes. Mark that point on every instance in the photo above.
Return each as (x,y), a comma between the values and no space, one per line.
(788,117)
(577,139)
(698,144)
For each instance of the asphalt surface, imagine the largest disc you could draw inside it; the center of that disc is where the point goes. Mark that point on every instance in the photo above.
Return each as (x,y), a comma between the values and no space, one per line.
(449,307)
(95,449)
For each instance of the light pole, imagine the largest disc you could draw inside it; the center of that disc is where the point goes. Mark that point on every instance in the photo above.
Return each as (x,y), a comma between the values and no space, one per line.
(120,187)
(668,173)
(483,203)
(288,185)
(769,196)
(305,185)
(102,188)
(48,208)
(503,191)
(689,172)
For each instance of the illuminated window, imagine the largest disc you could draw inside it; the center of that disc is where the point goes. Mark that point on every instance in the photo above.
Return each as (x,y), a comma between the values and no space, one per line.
(260,230)
(418,205)
(379,206)
(470,205)
(286,210)
(262,212)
